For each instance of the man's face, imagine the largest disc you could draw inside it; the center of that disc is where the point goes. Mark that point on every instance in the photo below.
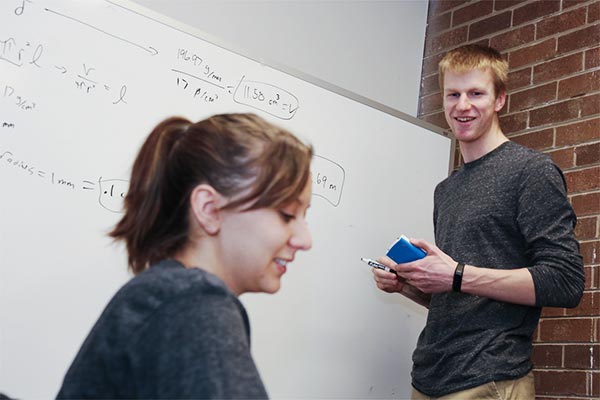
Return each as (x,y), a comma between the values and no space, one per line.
(470,103)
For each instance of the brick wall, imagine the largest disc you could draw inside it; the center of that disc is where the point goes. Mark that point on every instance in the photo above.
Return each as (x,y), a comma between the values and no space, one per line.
(553,49)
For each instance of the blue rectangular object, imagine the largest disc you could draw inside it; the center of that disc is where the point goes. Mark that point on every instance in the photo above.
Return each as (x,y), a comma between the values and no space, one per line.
(403,251)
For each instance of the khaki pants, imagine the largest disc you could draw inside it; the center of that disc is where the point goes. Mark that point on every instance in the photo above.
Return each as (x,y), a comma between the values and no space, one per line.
(514,389)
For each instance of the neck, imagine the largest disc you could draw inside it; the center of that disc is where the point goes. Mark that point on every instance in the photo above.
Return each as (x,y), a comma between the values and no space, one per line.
(206,257)
(472,150)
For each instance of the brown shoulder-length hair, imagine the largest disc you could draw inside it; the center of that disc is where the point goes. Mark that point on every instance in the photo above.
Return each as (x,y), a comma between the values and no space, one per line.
(242,156)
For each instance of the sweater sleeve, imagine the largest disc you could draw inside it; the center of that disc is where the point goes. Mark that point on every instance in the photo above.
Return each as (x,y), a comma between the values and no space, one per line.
(196,346)
(547,221)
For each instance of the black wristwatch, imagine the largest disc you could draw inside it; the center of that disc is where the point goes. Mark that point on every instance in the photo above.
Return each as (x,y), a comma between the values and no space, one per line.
(458,274)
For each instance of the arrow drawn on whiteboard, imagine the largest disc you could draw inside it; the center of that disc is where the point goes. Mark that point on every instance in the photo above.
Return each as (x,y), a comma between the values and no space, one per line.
(148,49)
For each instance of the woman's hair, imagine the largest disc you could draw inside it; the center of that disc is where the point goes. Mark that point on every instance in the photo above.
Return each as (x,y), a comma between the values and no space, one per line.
(474,56)
(239,155)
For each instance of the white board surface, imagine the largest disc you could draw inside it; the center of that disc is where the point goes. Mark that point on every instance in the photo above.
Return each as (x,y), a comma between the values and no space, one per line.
(82,84)
(370,47)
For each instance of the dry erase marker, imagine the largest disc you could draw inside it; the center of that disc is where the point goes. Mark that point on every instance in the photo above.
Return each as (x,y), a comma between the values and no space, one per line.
(375,264)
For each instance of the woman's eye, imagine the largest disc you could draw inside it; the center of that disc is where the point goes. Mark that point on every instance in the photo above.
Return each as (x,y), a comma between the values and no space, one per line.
(287,217)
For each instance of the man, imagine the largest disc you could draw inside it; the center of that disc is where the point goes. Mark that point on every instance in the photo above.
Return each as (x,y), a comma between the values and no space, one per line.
(505,247)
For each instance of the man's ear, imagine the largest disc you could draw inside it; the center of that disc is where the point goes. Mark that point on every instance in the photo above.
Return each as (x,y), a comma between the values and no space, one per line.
(500,101)
(205,203)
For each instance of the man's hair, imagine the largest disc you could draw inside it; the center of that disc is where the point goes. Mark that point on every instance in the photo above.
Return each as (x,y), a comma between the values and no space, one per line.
(474,56)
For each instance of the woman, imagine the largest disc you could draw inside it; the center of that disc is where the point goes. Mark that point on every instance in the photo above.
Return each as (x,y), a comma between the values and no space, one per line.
(214,209)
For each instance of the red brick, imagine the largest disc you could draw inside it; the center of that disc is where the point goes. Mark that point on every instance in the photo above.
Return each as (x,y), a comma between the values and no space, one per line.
(572,3)
(561,383)
(531,97)
(471,12)
(447,40)
(489,25)
(590,280)
(430,103)
(513,38)
(457,161)
(537,140)
(580,39)
(534,10)
(562,22)
(504,4)
(583,180)
(562,112)
(588,154)
(589,306)
(579,85)
(430,64)
(439,23)
(513,123)
(595,383)
(547,356)
(564,158)
(429,85)
(590,105)
(590,251)
(548,312)
(518,79)
(558,68)
(437,119)
(566,330)
(439,7)
(594,274)
(592,58)
(579,132)
(586,227)
(593,12)
(586,204)
(533,54)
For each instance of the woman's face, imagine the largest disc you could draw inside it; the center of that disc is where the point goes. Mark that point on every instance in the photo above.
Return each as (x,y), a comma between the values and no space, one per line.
(259,245)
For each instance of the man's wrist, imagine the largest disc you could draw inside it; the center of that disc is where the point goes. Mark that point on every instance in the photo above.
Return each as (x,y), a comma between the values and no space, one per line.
(458,277)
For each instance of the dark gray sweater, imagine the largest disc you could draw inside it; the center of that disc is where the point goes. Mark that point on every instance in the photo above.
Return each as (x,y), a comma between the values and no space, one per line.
(505,210)
(170,332)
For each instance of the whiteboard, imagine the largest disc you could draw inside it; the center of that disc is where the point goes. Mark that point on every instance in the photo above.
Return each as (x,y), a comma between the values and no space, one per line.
(81,86)
(345,44)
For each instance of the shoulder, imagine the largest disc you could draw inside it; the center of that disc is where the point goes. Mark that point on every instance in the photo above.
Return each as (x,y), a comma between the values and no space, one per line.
(535,168)
(169,278)
(165,286)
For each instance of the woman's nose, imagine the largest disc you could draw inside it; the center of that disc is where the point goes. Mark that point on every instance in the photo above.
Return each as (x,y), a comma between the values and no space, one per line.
(301,238)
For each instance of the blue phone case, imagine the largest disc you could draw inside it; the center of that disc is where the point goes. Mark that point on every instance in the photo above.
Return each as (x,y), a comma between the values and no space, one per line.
(403,251)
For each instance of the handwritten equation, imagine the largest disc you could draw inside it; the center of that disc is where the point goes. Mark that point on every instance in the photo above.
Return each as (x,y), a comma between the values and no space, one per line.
(327,179)
(111,191)
(84,77)
(194,73)
(205,83)
(266,97)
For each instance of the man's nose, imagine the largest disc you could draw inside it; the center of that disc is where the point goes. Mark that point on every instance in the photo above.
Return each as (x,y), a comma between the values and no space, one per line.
(463,102)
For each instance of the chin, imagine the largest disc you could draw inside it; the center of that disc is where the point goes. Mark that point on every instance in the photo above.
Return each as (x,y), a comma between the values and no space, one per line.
(272,288)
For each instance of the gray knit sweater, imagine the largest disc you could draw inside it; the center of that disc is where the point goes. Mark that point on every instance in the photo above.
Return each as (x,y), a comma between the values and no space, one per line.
(505,210)
(170,332)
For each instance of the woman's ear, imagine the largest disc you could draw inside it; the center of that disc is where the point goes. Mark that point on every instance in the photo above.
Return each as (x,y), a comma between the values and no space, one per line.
(205,205)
